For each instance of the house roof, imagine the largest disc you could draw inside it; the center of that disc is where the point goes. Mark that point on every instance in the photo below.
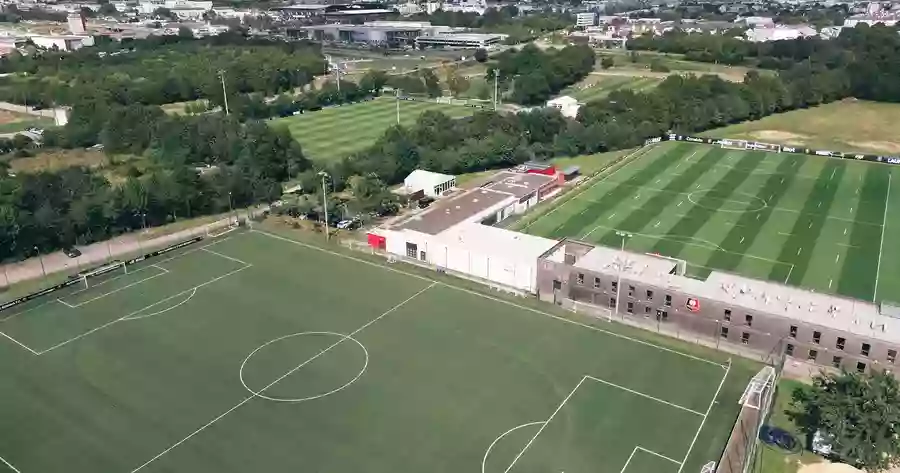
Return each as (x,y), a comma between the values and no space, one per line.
(422,179)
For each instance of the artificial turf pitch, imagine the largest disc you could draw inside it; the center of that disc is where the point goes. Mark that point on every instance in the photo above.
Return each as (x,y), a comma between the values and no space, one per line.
(337,132)
(261,353)
(820,223)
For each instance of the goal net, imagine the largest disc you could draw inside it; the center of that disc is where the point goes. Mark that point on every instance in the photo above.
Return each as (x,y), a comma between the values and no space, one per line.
(103,274)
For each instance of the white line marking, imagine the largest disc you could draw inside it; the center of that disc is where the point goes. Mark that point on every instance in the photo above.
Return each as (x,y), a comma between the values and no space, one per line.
(558,408)
(799,250)
(651,452)
(837,257)
(65,303)
(224,256)
(789,274)
(832,174)
(101,296)
(657,224)
(845,231)
(810,225)
(851,209)
(819,205)
(21,345)
(881,247)
(10,465)
(757,216)
(504,434)
(705,416)
(742,239)
(646,396)
(273,383)
(611,216)
(785,233)
(485,296)
(679,204)
(657,181)
(144,316)
(130,315)
(830,281)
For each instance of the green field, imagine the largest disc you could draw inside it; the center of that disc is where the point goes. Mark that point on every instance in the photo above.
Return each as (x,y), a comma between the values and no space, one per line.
(803,220)
(336,132)
(255,352)
(598,87)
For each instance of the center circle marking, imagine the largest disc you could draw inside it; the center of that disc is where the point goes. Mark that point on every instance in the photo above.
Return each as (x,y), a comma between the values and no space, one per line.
(343,338)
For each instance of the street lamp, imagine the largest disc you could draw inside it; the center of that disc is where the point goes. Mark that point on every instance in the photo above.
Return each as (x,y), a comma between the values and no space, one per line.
(621,264)
(324,174)
(231,207)
(224,94)
(41,258)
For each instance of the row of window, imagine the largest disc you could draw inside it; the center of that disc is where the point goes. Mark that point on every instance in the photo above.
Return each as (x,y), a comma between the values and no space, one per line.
(812,355)
(614,286)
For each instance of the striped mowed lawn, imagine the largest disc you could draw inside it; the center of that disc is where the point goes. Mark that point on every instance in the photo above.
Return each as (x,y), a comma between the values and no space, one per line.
(608,84)
(808,221)
(335,132)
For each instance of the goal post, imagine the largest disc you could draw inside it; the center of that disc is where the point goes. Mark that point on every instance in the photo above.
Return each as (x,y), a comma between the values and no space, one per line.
(103,274)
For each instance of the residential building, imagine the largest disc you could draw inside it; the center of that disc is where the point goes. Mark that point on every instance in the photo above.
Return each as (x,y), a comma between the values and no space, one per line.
(460,40)
(431,184)
(585,19)
(780,32)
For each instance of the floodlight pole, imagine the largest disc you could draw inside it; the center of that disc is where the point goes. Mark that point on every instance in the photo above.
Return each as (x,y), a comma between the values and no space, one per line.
(496,73)
(324,174)
(41,258)
(397,95)
(624,236)
(224,94)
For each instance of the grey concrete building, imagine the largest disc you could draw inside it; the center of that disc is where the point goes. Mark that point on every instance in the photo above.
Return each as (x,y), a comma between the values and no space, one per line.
(764,317)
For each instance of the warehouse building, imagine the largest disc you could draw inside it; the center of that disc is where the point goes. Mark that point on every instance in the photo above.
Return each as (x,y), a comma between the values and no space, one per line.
(460,40)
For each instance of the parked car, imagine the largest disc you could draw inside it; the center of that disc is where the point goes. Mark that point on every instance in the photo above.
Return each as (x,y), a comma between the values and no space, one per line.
(350,224)
(72,252)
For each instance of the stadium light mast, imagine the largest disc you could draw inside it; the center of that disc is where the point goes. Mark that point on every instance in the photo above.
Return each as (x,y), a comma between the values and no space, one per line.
(324,174)
(625,236)
(397,96)
(224,94)
(496,73)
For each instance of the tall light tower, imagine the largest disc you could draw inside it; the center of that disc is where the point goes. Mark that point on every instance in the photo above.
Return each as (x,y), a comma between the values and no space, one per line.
(224,94)
(622,263)
(324,174)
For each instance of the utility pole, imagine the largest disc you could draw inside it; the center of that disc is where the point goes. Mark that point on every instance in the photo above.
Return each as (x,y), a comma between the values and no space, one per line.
(496,73)
(224,94)
(41,258)
(622,262)
(324,174)
(397,95)
(337,72)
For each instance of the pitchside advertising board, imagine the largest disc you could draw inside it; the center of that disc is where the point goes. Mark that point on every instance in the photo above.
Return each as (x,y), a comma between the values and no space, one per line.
(784,149)
(75,279)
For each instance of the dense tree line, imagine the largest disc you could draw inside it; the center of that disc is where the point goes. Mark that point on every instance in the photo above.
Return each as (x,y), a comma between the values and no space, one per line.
(159,70)
(868,57)
(535,75)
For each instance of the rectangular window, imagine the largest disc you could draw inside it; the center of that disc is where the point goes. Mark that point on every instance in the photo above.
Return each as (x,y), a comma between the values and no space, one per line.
(647,310)
(892,356)
(793,331)
(615,286)
(631,307)
(745,338)
(596,283)
(861,367)
(749,319)
(579,279)
(630,291)
(812,355)
(412,250)
(649,295)
(557,284)
(836,361)
(662,315)
(789,350)
(612,302)
(728,314)
(840,343)
(865,349)
(724,332)
(817,337)
(668,300)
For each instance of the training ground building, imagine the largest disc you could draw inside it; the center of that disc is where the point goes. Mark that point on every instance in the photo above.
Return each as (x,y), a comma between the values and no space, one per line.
(763,319)
(456,233)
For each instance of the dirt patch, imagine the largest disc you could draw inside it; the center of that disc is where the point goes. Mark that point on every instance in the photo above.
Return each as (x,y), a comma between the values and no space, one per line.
(781,137)
(13,117)
(59,159)
(890,147)
(828,467)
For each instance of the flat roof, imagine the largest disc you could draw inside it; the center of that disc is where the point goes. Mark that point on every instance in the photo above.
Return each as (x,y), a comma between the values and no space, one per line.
(463,36)
(496,242)
(449,211)
(516,184)
(857,317)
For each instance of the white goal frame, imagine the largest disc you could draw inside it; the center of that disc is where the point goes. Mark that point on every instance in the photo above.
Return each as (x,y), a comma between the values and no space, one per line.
(102,270)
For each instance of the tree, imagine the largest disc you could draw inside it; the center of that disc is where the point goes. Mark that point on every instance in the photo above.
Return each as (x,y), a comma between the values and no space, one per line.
(859,412)
(607,62)
(108,9)
(164,13)
(456,83)
(481,55)
(185,32)
(657,66)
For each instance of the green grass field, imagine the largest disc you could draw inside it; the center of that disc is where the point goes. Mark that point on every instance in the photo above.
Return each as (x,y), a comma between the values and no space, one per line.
(336,132)
(802,220)
(597,87)
(255,352)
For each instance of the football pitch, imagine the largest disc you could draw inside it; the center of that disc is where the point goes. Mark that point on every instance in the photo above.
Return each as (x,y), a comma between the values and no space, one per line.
(336,132)
(258,352)
(820,223)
